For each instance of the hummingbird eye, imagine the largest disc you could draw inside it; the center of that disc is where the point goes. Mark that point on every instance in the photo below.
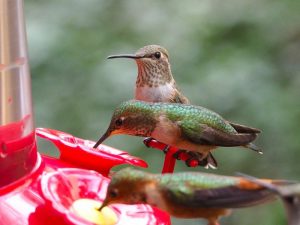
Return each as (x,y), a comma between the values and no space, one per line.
(119,122)
(113,193)
(157,55)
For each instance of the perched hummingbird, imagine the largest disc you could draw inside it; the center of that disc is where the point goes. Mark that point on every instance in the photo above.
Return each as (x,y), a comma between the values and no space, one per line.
(186,194)
(187,127)
(154,82)
(289,194)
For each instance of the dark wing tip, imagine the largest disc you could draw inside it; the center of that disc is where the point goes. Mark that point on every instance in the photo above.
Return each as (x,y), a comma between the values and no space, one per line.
(244,129)
(226,197)
(219,138)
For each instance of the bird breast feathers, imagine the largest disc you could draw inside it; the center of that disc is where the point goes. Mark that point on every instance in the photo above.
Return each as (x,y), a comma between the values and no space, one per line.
(166,130)
(162,93)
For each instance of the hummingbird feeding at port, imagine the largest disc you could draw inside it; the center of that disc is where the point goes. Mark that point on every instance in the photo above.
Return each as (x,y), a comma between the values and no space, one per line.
(155,83)
(187,194)
(184,126)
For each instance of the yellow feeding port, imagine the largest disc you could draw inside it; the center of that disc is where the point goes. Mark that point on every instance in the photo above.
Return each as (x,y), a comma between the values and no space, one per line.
(88,210)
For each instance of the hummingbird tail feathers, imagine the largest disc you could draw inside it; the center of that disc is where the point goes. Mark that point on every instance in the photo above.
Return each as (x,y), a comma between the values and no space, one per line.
(289,193)
(254,148)
(211,161)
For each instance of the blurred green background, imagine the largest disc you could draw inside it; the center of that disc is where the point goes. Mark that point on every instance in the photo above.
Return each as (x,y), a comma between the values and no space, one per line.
(238,58)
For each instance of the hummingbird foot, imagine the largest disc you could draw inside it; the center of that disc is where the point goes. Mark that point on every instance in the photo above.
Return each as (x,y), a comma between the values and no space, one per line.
(180,155)
(152,143)
(147,141)
(166,149)
(194,159)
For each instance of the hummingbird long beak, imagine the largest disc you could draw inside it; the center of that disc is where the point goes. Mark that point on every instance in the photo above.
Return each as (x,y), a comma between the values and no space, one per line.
(103,205)
(129,56)
(104,136)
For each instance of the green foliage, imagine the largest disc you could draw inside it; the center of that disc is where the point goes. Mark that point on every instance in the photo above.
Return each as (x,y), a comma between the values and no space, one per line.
(238,58)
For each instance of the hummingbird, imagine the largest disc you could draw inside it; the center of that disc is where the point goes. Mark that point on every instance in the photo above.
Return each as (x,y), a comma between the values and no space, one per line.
(188,127)
(155,83)
(186,194)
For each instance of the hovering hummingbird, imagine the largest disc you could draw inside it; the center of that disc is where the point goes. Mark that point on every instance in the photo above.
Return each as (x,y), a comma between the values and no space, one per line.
(155,83)
(186,194)
(187,127)
(289,194)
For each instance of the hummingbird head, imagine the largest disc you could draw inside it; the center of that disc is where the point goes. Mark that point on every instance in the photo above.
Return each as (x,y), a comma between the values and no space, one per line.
(153,65)
(131,118)
(128,186)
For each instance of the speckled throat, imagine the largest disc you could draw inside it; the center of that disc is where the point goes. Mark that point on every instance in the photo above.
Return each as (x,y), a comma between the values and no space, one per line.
(143,126)
(153,75)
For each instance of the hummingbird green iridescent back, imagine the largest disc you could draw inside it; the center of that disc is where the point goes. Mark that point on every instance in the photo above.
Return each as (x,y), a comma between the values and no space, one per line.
(186,114)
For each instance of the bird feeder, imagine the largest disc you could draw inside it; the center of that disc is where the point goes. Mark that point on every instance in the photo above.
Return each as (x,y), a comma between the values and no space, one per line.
(37,189)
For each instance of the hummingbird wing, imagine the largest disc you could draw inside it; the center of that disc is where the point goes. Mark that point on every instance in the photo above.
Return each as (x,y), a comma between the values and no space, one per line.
(226,197)
(289,191)
(179,98)
(204,134)
(212,191)
(244,129)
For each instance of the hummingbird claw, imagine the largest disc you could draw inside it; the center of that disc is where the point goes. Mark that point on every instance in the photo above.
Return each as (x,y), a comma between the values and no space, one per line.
(192,162)
(180,155)
(192,159)
(147,141)
(197,159)
(166,149)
